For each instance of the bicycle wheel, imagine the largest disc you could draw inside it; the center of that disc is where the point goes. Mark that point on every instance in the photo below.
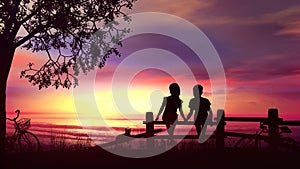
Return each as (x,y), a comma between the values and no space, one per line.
(288,144)
(9,144)
(28,142)
(254,143)
(246,143)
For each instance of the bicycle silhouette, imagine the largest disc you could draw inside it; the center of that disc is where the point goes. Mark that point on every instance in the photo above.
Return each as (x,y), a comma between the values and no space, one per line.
(260,139)
(26,141)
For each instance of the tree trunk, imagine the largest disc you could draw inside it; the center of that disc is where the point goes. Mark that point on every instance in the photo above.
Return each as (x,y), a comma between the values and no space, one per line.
(6,53)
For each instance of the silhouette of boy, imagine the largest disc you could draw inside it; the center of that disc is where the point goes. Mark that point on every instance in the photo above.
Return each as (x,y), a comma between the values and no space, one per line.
(170,105)
(200,107)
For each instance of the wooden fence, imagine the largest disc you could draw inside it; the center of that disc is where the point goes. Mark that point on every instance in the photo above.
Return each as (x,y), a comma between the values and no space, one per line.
(272,120)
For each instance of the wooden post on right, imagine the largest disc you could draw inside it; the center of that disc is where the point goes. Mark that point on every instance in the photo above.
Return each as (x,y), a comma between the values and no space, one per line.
(273,123)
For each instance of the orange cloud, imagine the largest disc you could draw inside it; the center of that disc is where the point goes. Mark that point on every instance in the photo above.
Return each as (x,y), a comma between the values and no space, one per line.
(176,7)
(287,18)
(186,9)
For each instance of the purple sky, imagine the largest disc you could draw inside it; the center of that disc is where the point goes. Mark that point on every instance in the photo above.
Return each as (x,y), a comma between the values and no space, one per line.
(257,41)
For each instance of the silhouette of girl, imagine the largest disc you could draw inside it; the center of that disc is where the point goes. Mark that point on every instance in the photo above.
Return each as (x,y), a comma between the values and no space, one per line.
(170,105)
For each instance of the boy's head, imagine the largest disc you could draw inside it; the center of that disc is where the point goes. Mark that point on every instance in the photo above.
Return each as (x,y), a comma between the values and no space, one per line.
(174,89)
(197,90)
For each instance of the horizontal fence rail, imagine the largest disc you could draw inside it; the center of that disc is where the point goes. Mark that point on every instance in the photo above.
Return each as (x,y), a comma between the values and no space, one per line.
(272,120)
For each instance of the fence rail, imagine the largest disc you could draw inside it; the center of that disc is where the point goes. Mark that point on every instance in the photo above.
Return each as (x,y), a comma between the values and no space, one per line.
(272,120)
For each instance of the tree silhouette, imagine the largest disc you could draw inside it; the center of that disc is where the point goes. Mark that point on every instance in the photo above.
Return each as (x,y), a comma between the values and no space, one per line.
(63,26)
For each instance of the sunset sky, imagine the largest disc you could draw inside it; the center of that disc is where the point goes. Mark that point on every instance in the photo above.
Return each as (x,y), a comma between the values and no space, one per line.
(257,41)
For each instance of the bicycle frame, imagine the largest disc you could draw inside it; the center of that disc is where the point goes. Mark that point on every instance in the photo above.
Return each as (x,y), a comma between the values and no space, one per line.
(26,140)
(256,139)
(17,131)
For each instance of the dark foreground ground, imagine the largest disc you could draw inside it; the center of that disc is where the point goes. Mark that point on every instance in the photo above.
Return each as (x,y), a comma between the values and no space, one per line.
(98,158)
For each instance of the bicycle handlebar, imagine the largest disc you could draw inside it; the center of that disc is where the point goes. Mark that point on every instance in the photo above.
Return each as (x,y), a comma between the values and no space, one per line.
(14,119)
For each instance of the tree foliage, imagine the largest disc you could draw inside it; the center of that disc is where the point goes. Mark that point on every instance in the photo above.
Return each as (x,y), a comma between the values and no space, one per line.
(61,29)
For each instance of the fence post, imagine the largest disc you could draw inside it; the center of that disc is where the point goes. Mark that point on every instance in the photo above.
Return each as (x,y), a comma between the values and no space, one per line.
(127,131)
(273,123)
(149,129)
(149,124)
(220,130)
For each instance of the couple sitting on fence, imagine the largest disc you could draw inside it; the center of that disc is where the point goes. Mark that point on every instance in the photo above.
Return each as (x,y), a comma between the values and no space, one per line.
(198,105)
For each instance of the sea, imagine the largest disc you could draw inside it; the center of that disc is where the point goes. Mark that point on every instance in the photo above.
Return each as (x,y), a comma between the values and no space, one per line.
(67,129)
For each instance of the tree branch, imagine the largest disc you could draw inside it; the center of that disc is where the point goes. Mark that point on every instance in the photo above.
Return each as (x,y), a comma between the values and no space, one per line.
(31,34)
(31,15)
(11,22)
